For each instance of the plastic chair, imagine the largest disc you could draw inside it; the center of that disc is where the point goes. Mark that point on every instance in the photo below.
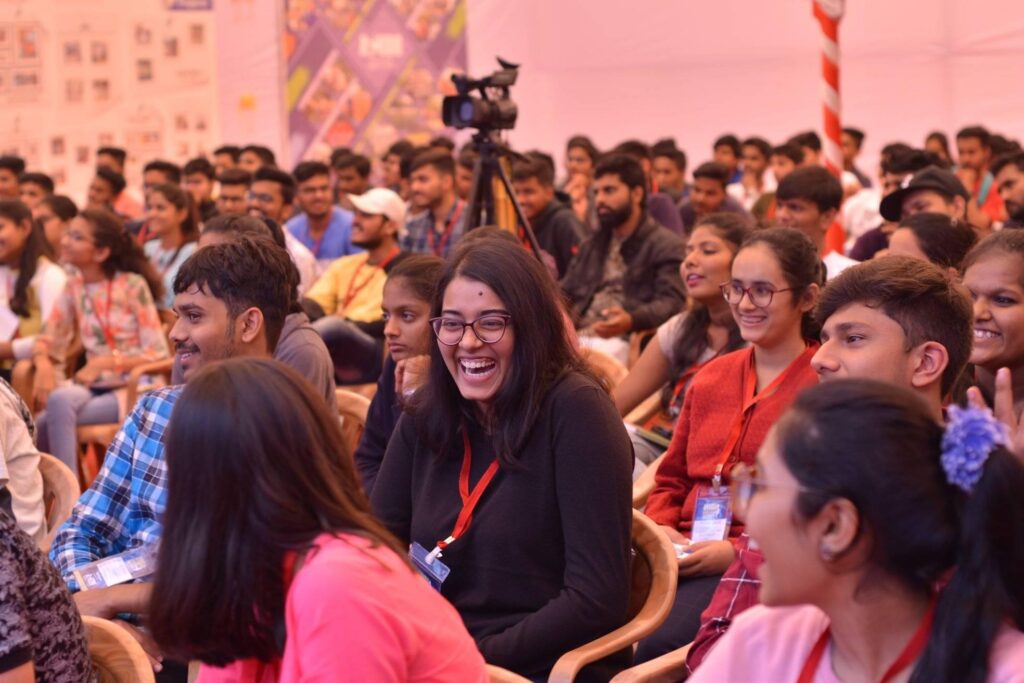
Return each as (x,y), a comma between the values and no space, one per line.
(495,674)
(608,369)
(60,491)
(655,575)
(117,657)
(352,410)
(668,668)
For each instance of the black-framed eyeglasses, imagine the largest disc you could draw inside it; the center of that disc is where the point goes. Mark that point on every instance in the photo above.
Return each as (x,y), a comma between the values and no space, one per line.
(745,481)
(490,328)
(759,295)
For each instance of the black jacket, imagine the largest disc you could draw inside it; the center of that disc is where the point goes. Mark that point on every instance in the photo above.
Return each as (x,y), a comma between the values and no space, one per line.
(653,287)
(559,233)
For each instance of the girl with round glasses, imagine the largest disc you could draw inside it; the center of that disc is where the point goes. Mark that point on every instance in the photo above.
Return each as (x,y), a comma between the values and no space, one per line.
(892,548)
(728,409)
(512,470)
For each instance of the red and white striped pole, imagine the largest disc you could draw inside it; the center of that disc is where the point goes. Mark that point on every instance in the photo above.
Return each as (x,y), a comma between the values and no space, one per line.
(828,13)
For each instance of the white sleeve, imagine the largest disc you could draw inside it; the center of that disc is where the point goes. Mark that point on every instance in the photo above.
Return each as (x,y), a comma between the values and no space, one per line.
(48,284)
(668,334)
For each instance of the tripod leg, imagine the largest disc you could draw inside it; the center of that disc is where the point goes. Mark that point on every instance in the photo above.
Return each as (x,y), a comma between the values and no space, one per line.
(520,216)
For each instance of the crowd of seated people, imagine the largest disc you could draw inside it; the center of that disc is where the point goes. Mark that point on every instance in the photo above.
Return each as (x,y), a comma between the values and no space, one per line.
(820,377)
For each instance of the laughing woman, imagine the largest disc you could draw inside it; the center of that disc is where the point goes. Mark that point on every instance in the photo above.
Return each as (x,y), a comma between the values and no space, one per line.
(510,418)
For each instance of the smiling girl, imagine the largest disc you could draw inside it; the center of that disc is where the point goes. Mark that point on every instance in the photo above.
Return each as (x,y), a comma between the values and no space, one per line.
(510,413)
(687,340)
(729,408)
(30,283)
(174,229)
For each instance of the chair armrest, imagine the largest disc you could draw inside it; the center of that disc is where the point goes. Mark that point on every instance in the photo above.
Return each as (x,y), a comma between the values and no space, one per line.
(645,411)
(668,668)
(644,484)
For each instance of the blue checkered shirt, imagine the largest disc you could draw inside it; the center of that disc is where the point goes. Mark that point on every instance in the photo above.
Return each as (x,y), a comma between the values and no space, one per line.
(121,508)
(421,236)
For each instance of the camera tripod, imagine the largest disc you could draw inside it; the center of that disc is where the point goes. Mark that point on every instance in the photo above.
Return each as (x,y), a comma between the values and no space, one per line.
(480,208)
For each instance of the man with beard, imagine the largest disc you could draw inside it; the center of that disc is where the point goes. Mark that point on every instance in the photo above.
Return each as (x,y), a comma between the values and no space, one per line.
(270,197)
(439,215)
(1009,173)
(625,276)
(349,295)
(322,227)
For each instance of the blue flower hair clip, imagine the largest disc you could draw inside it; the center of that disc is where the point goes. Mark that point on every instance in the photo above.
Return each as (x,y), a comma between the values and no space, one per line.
(971,434)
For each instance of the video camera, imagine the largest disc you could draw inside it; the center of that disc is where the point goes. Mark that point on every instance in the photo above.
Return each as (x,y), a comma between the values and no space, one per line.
(492,110)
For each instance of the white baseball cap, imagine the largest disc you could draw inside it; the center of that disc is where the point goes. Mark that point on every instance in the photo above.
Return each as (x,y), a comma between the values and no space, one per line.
(381,201)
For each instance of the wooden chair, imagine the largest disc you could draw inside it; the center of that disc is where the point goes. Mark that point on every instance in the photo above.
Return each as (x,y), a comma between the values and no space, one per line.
(495,674)
(644,484)
(655,574)
(647,409)
(608,369)
(103,434)
(352,410)
(117,657)
(668,668)
(60,491)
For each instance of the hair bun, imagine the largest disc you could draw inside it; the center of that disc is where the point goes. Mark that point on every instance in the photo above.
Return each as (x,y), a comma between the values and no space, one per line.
(970,437)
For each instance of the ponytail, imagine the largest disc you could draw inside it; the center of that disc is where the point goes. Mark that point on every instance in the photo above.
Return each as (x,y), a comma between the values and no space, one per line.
(986,590)
(126,256)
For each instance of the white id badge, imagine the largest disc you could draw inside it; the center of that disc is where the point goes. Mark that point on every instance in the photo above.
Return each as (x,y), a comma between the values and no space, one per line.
(712,515)
(132,565)
(433,570)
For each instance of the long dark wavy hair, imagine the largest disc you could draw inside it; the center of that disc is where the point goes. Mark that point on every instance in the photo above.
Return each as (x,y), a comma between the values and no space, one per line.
(541,355)
(878,446)
(34,247)
(257,469)
(108,232)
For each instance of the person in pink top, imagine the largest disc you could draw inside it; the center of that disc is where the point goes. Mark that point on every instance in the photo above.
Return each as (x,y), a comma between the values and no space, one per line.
(271,568)
(892,546)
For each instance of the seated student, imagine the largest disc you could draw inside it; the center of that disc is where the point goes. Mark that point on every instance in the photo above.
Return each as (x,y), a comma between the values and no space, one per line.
(322,227)
(126,204)
(864,509)
(11,167)
(252,158)
(930,189)
(351,175)
(299,345)
(783,160)
(974,156)
(808,200)
(465,166)
(320,570)
(437,216)
(408,294)
(30,283)
(509,403)
(726,151)
(198,176)
(390,165)
(172,227)
(1008,171)
(933,237)
(708,195)
(105,189)
(668,169)
(994,275)
(581,157)
(231,301)
(42,635)
(852,139)
(348,294)
(704,330)
(54,214)
(754,155)
(626,276)
(21,485)
(558,231)
(225,158)
(233,190)
(659,206)
(34,187)
(270,196)
(898,320)
(727,411)
(108,306)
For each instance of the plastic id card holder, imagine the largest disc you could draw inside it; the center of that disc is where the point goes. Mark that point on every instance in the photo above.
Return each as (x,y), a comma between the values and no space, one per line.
(712,515)
(133,565)
(433,570)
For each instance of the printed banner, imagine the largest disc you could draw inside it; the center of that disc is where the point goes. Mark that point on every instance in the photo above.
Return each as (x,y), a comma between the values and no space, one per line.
(363,73)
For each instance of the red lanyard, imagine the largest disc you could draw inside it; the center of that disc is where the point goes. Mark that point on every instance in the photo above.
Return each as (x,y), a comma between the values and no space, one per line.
(750,399)
(105,326)
(909,655)
(452,220)
(354,290)
(469,498)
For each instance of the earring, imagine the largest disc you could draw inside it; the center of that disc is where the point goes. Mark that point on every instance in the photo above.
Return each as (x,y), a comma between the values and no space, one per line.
(827,555)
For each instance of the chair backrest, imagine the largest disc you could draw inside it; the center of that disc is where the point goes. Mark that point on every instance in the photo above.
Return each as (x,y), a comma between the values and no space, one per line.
(116,656)
(60,491)
(604,366)
(352,410)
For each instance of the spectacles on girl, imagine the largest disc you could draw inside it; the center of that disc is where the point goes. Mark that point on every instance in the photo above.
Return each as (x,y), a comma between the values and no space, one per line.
(489,328)
(745,482)
(759,295)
